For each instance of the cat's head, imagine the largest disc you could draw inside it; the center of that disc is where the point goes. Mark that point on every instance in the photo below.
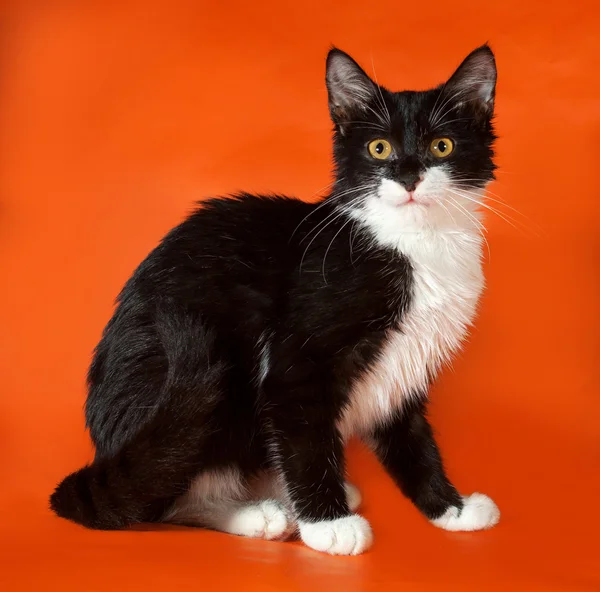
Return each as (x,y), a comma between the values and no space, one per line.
(413,159)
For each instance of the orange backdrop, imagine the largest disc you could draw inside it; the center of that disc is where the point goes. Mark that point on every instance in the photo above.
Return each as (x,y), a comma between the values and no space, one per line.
(115,116)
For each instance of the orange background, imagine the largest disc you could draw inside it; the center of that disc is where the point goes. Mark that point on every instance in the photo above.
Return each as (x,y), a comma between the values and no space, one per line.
(116,115)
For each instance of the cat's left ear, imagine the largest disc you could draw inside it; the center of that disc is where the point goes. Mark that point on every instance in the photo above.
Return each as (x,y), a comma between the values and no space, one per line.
(474,82)
(349,88)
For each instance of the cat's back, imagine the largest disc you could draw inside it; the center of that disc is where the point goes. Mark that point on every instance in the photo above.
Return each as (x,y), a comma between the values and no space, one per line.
(231,241)
(209,287)
(244,224)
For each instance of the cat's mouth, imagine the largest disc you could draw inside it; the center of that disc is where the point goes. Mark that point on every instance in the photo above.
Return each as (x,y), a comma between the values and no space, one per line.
(396,195)
(412,201)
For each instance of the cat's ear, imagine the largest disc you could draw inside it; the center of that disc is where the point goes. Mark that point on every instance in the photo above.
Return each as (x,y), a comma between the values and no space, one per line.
(474,82)
(349,88)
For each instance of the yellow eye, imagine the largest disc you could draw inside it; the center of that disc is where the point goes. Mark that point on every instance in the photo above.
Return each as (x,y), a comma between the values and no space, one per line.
(441,147)
(380,149)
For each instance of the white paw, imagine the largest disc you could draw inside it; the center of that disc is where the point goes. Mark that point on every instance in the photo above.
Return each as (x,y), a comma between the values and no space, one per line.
(264,520)
(478,513)
(353,496)
(350,535)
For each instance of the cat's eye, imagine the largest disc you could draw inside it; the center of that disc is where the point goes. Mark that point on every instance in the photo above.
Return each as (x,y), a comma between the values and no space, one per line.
(441,147)
(380,149)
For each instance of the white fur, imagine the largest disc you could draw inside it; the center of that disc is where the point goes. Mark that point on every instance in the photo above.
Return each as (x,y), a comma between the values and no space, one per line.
(209,491)
(442,242)
(352,496)
(350,535)
(261,508)
(267,519)
(444,250)
(435,208)
(222,501)
(221,484)
(478,513)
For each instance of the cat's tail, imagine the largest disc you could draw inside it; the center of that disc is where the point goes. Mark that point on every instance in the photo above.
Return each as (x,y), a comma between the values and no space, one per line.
(140,481)
(83,497)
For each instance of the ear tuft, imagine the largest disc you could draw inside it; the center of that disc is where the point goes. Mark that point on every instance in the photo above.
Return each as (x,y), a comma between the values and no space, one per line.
(475,80)
(350,89)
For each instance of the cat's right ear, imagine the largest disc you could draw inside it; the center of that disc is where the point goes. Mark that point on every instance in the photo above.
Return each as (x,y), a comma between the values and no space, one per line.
(474,82)
(349,88)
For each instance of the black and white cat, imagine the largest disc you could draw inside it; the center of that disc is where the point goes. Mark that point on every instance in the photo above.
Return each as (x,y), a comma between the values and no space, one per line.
(263,332)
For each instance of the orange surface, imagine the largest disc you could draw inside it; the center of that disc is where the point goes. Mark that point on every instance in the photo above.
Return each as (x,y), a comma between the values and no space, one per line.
(116,115)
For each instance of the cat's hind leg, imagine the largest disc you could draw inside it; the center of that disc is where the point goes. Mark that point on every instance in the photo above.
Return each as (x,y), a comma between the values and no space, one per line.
(220,500)
(266,519)
(155,386)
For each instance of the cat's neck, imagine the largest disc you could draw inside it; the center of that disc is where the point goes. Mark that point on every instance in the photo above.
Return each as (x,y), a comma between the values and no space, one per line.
(458,236)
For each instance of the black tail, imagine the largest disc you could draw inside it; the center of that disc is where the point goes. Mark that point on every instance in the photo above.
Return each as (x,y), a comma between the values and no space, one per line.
(140,481)
(80,497)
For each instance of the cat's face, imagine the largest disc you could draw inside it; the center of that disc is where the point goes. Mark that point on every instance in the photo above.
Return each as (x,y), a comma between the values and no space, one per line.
(413,159)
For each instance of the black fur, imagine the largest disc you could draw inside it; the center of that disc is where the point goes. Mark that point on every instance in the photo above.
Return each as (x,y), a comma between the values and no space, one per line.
(408,451)
(175,387)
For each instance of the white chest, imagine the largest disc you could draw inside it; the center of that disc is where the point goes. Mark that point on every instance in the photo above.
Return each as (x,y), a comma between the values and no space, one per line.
(447,283)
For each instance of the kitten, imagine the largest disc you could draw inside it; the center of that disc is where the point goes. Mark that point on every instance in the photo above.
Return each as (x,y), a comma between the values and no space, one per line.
(263,332)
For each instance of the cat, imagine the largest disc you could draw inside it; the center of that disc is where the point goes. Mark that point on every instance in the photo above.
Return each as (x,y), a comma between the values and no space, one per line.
(263,332)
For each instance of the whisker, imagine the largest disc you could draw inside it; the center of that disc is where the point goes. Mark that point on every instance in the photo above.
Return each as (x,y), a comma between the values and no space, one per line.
(433,110)
(437,116)
(479,199)
(378,115)
(318,191)
(387,112)
(351,241)
(478,224)
(321,205)
(316,227)
(452,107)
(448,212)
(339,213)
(451,121)
(330,199)
(497,199)
(505,217)
(368,124)
(330,245)
(325,201)
(379,130)
(470,215)
(343,194)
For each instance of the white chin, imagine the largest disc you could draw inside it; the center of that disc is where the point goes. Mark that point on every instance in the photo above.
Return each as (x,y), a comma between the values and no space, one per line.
(414,204)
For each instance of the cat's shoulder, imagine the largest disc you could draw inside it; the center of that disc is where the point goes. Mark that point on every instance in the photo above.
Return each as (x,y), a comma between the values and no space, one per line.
(247,213)
(235,223)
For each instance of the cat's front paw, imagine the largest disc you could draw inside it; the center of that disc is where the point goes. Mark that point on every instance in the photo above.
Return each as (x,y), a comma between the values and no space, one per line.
(350,535)
(479,512)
